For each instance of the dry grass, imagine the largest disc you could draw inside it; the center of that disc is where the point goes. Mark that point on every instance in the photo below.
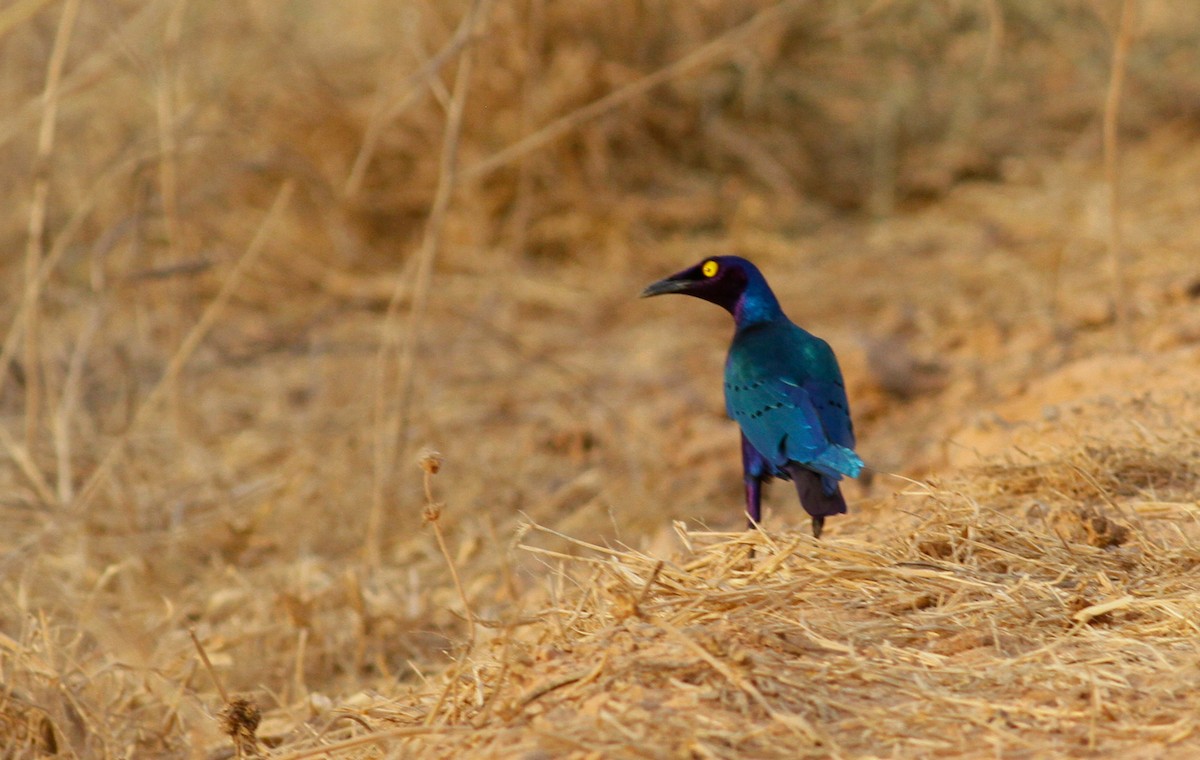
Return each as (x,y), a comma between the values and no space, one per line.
(1018,610)
(243,293)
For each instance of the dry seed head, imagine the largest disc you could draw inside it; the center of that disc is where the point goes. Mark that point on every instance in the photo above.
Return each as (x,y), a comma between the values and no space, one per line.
(430,461)
(240,719)
(432,512)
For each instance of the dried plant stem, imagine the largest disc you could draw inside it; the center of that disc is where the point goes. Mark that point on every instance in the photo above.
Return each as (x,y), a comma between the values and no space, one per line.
(648,586)
(93,66)
(534,38)
(462,594)
(212,672)
(37,220)
(69,404)
(388,426)
(189,345)
(1112,106)
(431,462)
(28,467)
(165,102)
(62,241)
(298,682)
(239,717)
(714,50)
(388,107)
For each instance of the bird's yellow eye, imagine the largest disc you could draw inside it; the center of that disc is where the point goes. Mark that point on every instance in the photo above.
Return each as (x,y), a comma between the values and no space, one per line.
(709,269)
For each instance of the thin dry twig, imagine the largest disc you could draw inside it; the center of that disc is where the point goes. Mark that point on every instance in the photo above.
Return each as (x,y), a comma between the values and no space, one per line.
(84,73)
(212,672)
(166,104)
(710,52)
(1112,107)
(240,717)
(37,220)
(388,427)
(28,466)
(388,107)
(431,462)
(62,242)
(69,404)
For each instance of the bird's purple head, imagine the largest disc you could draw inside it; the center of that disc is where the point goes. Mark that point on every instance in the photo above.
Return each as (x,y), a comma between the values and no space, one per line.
(730,282)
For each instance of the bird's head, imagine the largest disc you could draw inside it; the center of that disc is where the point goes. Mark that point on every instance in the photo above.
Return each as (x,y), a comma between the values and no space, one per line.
(728,281)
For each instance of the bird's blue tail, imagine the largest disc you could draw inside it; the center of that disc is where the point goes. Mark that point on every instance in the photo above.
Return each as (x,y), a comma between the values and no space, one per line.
(836,461)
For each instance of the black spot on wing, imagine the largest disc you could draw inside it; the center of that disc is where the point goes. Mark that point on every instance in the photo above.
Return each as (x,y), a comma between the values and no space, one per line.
(745,387)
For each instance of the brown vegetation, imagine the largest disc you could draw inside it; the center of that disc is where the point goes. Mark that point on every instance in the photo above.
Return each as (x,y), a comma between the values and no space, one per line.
(263,258)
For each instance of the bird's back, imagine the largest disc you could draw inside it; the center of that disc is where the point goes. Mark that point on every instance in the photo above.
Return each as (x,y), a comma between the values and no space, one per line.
(784,388)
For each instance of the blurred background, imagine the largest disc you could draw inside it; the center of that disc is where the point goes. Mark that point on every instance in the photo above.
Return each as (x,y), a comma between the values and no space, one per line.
(257,256)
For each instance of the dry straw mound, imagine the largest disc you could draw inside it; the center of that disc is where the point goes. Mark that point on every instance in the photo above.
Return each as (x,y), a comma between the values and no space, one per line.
(240,294)
(1040,608)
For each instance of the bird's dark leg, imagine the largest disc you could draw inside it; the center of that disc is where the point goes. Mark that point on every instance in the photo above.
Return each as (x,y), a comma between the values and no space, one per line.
(818,525)
(753,502)
(753,469)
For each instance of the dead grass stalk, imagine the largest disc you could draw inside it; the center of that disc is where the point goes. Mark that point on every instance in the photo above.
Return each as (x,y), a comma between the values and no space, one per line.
(1112,173)
(392,400)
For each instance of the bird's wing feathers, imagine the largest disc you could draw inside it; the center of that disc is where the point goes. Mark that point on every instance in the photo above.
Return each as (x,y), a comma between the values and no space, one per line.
(833,408)
(781,422)
(789,401)
(776,419)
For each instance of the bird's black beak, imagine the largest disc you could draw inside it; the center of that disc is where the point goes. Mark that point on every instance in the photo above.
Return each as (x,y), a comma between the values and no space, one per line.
(669,285)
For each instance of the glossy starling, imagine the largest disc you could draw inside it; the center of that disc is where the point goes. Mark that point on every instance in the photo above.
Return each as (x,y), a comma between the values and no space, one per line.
(782,386)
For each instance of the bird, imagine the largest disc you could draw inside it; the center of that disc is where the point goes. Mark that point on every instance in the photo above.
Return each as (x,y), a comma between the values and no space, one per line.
(783,387)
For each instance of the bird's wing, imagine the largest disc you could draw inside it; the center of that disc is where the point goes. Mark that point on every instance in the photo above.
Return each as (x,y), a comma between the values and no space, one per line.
(780,420)
(833,409)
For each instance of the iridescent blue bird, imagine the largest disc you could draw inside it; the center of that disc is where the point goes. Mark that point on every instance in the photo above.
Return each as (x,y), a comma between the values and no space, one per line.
(783,387)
